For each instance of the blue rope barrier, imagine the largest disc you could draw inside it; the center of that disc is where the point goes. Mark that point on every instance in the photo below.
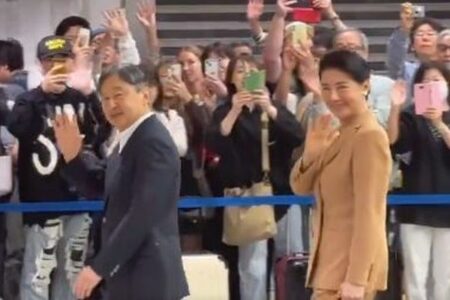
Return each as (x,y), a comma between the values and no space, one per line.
(196,202)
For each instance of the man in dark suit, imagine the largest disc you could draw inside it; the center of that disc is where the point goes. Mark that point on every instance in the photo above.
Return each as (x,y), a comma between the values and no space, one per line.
(140,256)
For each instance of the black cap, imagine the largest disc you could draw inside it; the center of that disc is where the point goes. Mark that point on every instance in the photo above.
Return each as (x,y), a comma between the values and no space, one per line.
(53,46)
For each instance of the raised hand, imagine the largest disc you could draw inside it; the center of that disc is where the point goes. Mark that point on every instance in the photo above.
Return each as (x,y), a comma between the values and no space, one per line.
(320,135)
(179,88)
(323,5)
(399,93)
(147,14)
(407,16)
(308,71)
(116,22)
(68,137)
(54,82)
(255,9)
(284,7)
(240,99)
(350,291)
(289,59)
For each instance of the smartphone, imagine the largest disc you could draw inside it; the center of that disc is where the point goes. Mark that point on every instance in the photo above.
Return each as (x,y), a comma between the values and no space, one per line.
(175,71)
(254,81)
(429,95)
(419,11)
(59,67)
(85,37)
(212,67)
(301,33)
(304,11)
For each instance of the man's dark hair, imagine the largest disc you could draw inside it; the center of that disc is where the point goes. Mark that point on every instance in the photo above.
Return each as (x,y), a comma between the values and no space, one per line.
(347,62)
(138,76)
(438,27)
(4,52)
(64,26)
(425,67)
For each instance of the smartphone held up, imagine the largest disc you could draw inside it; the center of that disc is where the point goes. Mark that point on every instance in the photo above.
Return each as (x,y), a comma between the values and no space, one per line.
(430,95)
(255,81)
(305,12)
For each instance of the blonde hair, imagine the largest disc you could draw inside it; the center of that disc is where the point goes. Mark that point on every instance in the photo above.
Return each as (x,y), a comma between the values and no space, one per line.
(196,50)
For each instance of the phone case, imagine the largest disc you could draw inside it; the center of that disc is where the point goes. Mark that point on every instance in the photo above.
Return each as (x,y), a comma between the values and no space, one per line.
(212,67)
(85,36)
(439,95)
(59,68)
(422,97)
(300,34)
(255,81)
(175,71)
(307,15)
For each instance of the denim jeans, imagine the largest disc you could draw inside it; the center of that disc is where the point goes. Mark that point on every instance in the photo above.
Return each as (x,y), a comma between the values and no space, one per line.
(253,257)
(54,255)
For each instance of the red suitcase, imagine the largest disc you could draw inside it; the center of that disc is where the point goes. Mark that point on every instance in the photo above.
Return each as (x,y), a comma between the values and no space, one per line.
(290,277)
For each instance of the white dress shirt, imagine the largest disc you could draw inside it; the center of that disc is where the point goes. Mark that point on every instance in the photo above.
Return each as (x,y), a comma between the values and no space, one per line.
(177,129)
(125,135)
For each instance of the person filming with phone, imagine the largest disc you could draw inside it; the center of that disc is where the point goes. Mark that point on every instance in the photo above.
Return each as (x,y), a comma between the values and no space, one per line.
(248,161)
(47,272)
(423,130)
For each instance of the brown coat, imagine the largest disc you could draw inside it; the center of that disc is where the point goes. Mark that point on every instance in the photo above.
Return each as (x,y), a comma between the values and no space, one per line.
(350,184)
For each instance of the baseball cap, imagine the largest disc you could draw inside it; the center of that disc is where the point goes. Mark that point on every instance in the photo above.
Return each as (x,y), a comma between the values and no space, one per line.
(53,46)
(98,31)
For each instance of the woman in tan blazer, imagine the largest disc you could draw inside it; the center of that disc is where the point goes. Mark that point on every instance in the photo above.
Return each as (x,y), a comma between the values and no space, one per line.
(347,169)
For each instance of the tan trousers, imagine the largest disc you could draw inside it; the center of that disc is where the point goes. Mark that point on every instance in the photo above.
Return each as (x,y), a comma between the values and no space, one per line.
(333,295)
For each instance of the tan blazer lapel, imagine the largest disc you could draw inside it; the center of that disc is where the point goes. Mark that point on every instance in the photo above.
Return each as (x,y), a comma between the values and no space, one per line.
(332,151)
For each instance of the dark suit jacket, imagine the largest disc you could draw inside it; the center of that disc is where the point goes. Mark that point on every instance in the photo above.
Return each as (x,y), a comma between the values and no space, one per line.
(140,257)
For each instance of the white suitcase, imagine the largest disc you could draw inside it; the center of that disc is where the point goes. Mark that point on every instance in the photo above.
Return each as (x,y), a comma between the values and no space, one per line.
(207,276)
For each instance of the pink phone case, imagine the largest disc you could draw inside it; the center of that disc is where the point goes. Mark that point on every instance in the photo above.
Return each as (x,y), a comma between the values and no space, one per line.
(428,95)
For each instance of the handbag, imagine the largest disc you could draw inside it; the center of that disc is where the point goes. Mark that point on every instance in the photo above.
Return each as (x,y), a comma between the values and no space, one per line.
(6,171)
(245,225)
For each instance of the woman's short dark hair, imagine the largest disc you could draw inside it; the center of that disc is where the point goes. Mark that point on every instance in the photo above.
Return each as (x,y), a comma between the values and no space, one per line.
(138,76)
(219,49)
(424,21)
(348,62)
(64,26)
(425,67)
(248,59)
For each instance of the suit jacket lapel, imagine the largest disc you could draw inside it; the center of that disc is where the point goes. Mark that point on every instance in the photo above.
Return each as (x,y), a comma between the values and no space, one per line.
(115,160)
(112,168)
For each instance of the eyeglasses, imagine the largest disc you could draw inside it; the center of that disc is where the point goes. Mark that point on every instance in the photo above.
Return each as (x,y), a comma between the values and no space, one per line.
(443,48)
(352,48)
(421,34)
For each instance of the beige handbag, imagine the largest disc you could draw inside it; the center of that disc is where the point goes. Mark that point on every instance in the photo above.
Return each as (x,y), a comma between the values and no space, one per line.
(245,225)
(6,171)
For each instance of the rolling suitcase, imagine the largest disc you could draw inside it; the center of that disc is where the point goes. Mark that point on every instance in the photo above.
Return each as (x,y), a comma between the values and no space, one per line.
(207,277)
(290,277)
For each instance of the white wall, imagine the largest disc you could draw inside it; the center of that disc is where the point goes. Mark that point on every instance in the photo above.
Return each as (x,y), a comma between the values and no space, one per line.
(30,20)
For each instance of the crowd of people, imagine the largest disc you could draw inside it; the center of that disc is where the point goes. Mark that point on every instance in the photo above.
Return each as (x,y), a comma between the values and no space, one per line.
(232,133)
